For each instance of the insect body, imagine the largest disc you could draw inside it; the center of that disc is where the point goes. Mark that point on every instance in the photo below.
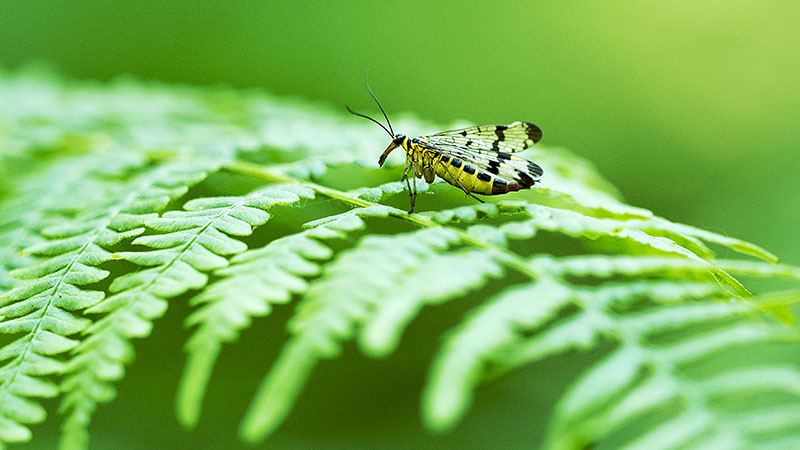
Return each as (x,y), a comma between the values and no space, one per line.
(477,160)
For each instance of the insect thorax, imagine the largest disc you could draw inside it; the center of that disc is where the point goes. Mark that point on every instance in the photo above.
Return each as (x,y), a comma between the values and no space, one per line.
(421,160)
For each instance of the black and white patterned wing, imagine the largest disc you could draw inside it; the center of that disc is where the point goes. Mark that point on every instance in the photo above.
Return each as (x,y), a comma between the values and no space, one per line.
(493,138)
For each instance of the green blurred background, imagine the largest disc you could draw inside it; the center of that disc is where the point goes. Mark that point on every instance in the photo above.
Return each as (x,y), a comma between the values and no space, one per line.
(691,108)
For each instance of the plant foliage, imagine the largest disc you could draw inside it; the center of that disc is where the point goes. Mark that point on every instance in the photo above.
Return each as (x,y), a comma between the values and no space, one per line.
(116,199)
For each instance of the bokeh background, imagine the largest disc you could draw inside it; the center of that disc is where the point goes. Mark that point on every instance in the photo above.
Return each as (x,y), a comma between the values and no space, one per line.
(691,108)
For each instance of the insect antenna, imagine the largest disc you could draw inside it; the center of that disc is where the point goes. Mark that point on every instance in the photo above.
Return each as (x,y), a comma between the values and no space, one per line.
(366,83)
(369,118)
(388,130)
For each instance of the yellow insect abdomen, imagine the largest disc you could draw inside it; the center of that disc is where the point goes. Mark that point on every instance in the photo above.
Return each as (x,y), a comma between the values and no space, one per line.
(425,163)
(471,179)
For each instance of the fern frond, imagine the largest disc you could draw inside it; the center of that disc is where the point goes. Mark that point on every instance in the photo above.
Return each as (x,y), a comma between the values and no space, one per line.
(94,244)
(286,379)
(493,340)
(324,318)
(254,280)
(648,376)
(43,307)
(502,322)
(33,203)
(195,241)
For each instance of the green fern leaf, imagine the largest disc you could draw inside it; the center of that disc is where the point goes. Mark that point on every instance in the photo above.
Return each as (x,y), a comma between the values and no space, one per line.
(33,203)
(43,307)
(325,317)
(255,279)
(194,242)
(94,245)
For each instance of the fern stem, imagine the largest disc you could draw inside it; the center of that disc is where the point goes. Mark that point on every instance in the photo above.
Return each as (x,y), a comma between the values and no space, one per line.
(508,258)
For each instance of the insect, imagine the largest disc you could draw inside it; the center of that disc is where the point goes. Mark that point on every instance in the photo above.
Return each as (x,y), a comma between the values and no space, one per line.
(478,160)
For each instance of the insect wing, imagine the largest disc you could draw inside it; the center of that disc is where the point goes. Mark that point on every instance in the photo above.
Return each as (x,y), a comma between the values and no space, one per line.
(493,138)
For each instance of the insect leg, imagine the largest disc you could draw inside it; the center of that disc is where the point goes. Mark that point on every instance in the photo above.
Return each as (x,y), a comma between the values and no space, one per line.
(410,194)
(405,170)
(405,173)
(458,183)
(413,194)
